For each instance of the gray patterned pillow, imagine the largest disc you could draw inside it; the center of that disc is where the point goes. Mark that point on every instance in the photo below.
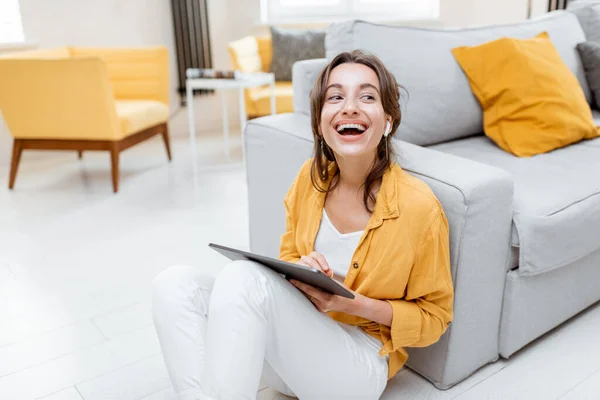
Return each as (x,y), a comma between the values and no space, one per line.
(588,15)
(291,45)
(590,58)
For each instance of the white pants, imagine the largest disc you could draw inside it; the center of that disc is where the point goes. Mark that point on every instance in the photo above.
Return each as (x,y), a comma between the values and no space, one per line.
(220,336)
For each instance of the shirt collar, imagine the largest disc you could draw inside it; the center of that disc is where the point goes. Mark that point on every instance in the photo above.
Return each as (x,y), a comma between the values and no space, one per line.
(386,204)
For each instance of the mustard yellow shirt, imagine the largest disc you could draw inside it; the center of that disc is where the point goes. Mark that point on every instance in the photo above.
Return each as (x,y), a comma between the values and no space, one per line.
(402,257)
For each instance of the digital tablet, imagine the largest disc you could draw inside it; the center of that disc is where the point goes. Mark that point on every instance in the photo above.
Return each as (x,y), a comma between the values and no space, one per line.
(300,273)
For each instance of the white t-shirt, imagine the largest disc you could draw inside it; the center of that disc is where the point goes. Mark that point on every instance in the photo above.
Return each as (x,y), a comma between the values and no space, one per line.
(338,248)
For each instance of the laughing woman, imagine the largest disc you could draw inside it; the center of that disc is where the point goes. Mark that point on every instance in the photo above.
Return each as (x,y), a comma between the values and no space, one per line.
(360,218)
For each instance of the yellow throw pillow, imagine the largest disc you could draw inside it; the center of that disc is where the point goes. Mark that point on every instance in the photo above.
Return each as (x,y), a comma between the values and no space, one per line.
(532,102)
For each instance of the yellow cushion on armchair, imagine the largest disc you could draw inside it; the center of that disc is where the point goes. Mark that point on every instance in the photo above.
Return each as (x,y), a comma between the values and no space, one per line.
(254,54)
(261,99)
(137,115)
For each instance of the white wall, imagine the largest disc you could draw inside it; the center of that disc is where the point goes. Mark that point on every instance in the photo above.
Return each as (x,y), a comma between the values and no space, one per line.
(463,13)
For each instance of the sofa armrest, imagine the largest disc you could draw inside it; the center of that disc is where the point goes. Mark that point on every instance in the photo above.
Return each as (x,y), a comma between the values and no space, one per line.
(476,198)
(304,75)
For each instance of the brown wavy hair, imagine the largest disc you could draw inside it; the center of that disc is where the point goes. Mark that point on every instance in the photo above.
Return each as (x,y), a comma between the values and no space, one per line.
(323,154)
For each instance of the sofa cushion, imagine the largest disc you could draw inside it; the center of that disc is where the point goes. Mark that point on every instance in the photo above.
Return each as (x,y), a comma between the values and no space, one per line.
(590,57)
(292,45)
(137,115)
(245,55)
(556,202)
(441,106)
(529,96)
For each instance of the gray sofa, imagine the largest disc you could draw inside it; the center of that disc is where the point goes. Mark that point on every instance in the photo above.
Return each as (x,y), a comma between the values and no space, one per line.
(524,232)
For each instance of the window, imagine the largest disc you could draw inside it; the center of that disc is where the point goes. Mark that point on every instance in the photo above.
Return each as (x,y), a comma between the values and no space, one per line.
(299,11)
(11,27)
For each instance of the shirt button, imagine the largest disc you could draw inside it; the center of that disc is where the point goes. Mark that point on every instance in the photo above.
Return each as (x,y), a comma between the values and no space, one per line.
(355,265)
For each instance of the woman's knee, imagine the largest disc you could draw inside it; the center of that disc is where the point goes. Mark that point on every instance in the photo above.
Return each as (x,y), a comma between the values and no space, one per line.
(242,281)
(171,280)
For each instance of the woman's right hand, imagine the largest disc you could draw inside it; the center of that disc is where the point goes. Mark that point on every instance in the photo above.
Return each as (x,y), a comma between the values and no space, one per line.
(317,261)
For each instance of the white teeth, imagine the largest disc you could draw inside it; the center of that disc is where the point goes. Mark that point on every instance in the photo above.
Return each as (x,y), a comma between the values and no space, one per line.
(361,128)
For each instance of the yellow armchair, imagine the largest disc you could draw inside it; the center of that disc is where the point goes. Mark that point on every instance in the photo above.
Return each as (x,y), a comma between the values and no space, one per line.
(253,54)
(84,99)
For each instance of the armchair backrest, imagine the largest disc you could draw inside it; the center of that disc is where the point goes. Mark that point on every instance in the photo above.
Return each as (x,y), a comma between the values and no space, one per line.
(58,98)
(52,53)
(135,73)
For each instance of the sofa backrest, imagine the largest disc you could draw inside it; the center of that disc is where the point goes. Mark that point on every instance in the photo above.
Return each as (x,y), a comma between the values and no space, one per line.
(441,106)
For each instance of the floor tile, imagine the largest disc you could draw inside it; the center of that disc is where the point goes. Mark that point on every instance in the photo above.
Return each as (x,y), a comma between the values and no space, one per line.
(589,389)
(50,345)
(124,320)
(83,365)
(66,394)
(550,366)
(164,394)
(410,385)
(133,381)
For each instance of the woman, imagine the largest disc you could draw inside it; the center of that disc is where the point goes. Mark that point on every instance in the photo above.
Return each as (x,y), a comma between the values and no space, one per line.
(358,217)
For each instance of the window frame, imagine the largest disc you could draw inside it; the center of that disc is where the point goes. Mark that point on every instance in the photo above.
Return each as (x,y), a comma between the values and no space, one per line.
(273,13)
(14,20)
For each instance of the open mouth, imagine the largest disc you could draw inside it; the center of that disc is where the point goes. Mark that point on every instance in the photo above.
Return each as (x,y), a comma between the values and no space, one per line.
(351,129)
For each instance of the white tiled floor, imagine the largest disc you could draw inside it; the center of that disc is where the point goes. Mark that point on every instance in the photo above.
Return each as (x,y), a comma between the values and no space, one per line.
(76,262)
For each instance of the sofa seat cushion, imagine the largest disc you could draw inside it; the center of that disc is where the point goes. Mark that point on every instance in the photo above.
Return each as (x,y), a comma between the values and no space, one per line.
(137,115)
(261,99)
(556,203)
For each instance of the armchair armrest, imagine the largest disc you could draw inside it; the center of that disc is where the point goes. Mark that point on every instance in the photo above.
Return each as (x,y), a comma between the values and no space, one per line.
(66,98)
(135,73)
(476,198)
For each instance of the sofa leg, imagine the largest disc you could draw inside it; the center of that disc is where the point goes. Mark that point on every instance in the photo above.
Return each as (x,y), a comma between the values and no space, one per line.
(114,158)
(16,159)
(80,154)
(166,139)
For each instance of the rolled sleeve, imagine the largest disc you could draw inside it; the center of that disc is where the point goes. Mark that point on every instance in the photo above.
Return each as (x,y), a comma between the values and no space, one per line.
(288,250)
(424,314)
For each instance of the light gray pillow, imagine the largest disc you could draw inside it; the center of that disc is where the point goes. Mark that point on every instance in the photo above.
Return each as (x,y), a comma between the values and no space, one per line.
(291,45)
(590,58)
(588,15)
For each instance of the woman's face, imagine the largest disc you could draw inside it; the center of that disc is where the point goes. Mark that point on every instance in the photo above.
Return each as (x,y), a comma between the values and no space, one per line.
(352,118)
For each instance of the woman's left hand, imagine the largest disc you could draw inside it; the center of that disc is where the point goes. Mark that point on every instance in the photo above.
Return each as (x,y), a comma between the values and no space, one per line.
(326,302)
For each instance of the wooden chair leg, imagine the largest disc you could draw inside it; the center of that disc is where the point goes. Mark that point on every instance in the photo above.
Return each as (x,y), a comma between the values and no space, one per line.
(114,158)
(167,140)
(16,159)
(80,154)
